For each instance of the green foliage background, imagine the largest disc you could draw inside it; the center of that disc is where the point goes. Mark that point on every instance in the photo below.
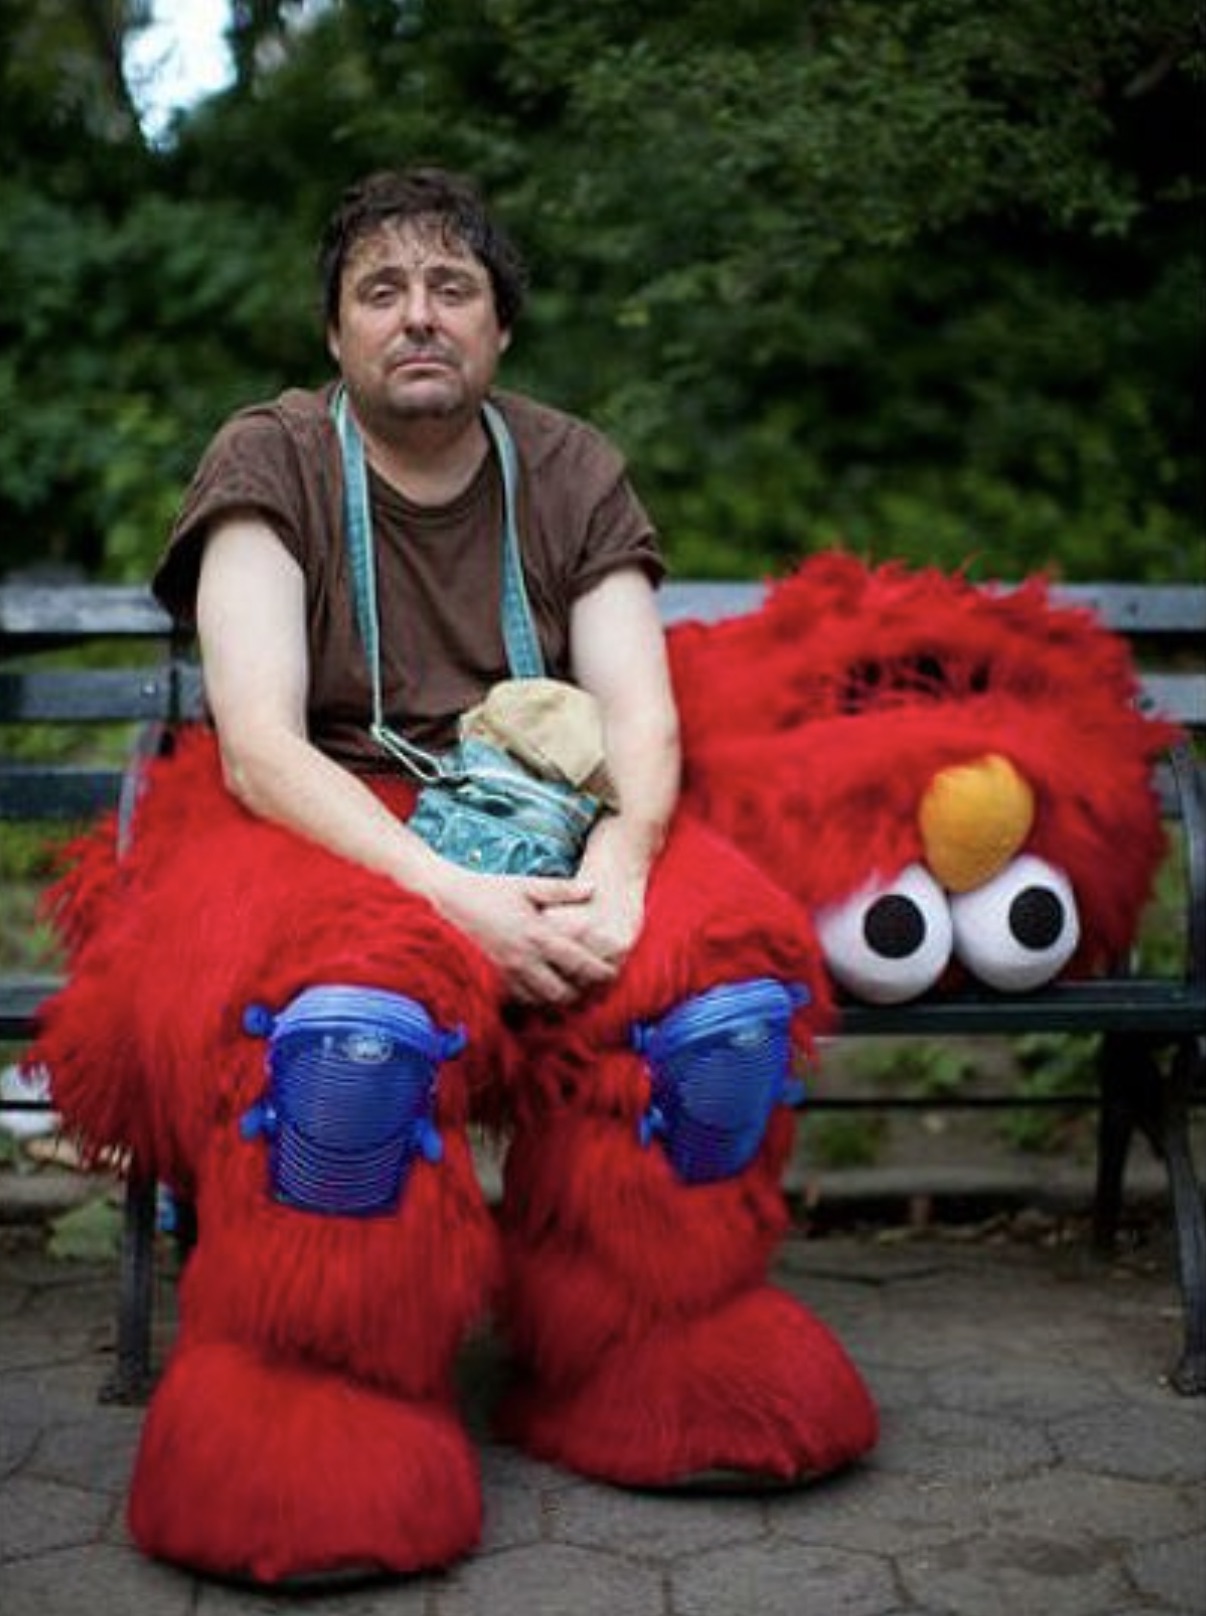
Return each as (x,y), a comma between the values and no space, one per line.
(922,278)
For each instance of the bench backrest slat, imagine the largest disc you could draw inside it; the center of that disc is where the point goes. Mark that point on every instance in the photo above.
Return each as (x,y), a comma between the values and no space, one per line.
(56,793)
(1179,696)
(1142,612)
(100,695)
(114,695)
(44,614)
(47,614)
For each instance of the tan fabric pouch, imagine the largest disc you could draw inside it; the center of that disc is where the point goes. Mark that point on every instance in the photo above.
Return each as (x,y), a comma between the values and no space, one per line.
(552,728)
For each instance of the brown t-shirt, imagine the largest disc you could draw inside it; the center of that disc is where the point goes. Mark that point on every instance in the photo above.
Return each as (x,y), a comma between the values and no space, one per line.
(439,568)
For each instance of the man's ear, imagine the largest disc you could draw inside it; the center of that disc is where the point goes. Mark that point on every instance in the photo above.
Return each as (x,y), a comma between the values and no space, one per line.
(333,343)
(504,339)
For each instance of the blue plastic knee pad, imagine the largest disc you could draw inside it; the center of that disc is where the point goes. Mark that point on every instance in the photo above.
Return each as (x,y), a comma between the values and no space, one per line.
(350,1101)
(718,1064)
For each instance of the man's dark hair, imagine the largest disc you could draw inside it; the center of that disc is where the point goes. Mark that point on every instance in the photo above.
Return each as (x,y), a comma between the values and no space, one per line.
(452,202)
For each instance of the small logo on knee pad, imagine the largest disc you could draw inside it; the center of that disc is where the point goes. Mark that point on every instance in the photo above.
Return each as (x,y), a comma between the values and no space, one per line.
(368,1048)
(350,1100)
(718,1065)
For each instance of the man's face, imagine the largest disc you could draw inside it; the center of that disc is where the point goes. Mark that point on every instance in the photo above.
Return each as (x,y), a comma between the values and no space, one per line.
(418,334)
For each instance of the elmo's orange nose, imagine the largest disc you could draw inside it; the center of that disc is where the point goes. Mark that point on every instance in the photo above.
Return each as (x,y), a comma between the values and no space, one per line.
(974,817)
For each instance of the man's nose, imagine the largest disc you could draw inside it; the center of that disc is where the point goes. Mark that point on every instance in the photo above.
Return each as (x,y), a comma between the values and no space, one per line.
(418,310)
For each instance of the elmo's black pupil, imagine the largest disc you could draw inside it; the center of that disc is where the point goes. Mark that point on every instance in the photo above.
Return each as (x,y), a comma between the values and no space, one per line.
(1036,918)
(894,927)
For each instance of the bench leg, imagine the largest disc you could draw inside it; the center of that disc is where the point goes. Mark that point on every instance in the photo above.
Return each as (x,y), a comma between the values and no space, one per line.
(131,1378)
(1189,1213)
(1122,1068)
(1138,1091)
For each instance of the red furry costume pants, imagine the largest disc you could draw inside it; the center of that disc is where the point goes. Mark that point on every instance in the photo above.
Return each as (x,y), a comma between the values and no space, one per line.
(306,1418)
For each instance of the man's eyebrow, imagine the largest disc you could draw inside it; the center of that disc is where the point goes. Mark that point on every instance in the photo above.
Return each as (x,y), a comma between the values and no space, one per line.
(445,271)
(458,270)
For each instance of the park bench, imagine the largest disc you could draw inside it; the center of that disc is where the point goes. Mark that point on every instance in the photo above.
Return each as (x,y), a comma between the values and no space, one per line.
(140,677)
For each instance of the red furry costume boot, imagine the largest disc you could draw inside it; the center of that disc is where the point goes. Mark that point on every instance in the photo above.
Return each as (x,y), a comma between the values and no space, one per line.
(650,1344)
(306,1419)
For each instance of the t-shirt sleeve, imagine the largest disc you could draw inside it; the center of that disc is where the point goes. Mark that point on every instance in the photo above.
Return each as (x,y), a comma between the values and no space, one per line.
(592,517)
(619,534)
(251,466)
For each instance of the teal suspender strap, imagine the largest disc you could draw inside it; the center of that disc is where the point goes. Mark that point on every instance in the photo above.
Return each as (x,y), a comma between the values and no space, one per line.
(358,535)
(518,625)
(519,630)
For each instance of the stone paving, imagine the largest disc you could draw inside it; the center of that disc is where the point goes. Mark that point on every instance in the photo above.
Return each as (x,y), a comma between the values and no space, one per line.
(1033,1461)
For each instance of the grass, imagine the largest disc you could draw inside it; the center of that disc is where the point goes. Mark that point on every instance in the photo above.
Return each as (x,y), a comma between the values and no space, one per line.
(839,1140)
(28,857)
(29,852)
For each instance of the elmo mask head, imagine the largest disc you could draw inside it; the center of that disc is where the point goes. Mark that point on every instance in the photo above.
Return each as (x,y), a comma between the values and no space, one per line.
(951,777)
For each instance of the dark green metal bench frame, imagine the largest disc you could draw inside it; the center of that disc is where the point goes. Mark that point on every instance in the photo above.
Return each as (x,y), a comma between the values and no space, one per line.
(1152,1028)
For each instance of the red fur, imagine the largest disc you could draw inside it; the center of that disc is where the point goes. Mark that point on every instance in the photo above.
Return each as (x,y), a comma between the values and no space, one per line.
(88,884)
(813,727)
(584,1275)
(760,1386)
(310,1288)
(649,1344)
(274,1471)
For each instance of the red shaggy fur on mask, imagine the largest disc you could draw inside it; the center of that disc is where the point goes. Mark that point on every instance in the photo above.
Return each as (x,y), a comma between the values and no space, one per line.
(813,727)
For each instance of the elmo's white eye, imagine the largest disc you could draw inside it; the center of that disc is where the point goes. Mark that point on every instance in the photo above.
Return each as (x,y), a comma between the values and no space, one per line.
(1020,929)
(890,943)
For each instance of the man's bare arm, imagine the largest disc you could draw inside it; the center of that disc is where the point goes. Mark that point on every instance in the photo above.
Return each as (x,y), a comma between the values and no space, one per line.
(251,623)
(619,654)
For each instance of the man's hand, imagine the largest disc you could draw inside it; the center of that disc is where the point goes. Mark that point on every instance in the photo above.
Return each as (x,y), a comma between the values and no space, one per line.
(608,922)
(519,923)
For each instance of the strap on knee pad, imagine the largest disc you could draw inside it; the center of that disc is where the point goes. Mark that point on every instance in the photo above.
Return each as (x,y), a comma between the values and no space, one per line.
(718,1064)
(350,1100)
